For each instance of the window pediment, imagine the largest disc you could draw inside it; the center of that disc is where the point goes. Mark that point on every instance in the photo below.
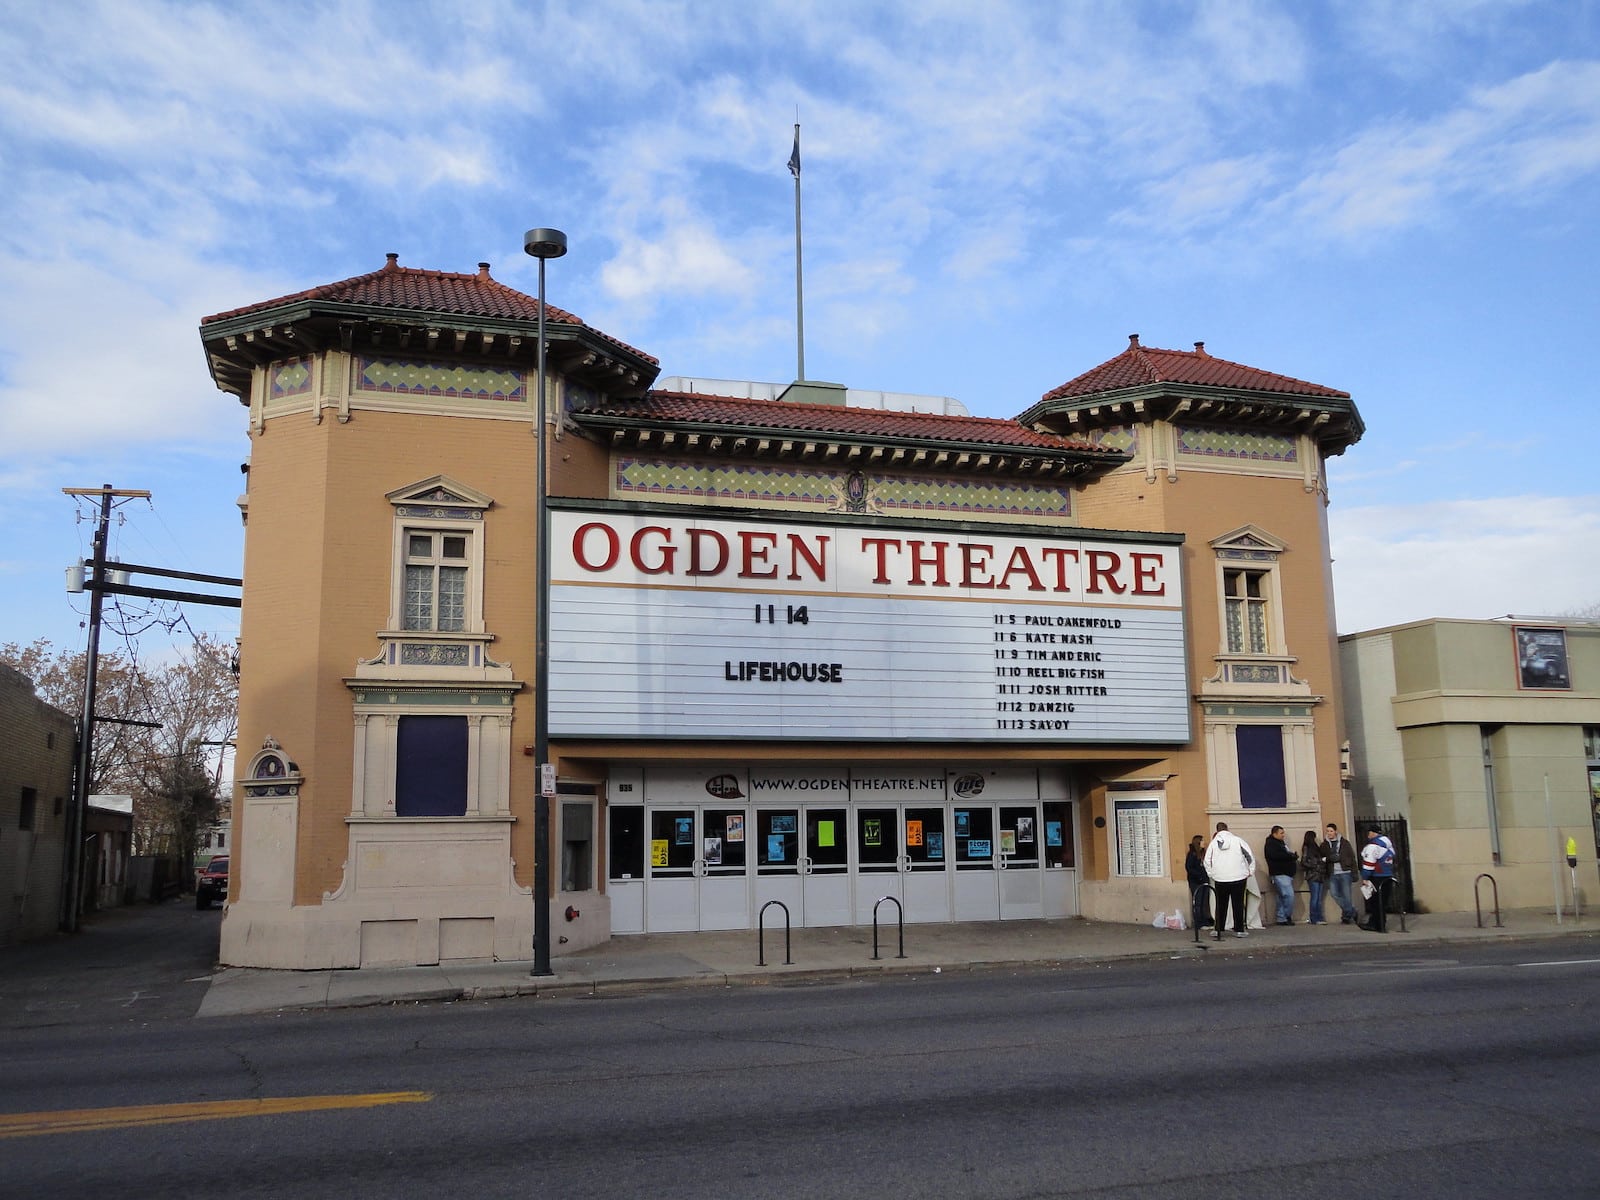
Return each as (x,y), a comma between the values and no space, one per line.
(440,491)
(1248,541)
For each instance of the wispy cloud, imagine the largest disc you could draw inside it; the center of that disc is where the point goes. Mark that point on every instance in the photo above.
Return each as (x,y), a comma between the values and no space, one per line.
(1468,558)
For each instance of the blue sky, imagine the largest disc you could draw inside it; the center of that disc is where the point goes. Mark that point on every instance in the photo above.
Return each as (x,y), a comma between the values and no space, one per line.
(1395,199)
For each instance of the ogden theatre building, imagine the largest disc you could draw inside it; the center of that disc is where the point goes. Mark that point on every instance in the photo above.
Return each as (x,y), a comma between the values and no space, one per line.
(807,644)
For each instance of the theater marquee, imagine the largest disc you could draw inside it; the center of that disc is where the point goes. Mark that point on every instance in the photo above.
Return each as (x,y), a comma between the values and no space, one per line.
(669,626)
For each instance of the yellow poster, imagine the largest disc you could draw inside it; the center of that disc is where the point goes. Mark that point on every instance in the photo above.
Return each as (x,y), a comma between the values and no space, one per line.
(1008,841)
(658,852)
(913,833)
(825,833)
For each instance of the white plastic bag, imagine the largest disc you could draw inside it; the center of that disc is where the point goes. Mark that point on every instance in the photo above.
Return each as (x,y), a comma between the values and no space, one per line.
(1175,919)
(1159,921)
(1367,889)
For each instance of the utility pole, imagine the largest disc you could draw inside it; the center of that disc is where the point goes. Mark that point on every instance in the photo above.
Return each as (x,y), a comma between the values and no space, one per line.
(72,900)
(107,577)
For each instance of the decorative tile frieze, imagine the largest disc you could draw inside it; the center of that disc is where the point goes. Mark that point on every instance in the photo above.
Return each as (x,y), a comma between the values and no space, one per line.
(836,491)
(911,494)
(440,380)
(438,697)
(1265,710)
(441,512)
(1115,437)
(698,480)
(423,654)
(290,378)
(1251,445)
(1254,673)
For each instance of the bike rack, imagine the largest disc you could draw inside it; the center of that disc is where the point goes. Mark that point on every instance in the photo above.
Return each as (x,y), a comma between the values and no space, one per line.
(761,934)
(900,914)
(1478,903)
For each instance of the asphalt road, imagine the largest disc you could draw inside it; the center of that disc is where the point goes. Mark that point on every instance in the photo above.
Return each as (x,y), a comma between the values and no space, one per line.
(1463,1072)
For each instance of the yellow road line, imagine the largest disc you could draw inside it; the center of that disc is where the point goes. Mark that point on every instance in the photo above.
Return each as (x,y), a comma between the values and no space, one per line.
(87,1120)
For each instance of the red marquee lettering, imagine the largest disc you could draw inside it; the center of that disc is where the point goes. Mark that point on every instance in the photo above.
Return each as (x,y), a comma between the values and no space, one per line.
(934,558)
(757,554)
(666,554)
(817,561)
(580,546)
(881,545)
(1144,571)
(1060,556)
(697,565)
(975,565)
(1020,563)
(1103,566)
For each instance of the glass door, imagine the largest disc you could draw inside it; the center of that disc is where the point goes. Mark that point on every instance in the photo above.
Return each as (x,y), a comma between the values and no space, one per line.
(927,865)
(825,867)
(671,896)
(625,861)
(1060,875)
(724,884)
(779,849)
(977,886)
(879,864)
(1021,885)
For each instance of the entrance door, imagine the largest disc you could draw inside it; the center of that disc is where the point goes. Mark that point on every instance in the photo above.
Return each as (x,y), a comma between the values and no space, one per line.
(778,854)
(625,854)
(1021,874)
(724,886)
(672,896)
(926,865)
(880,864)
(1060,860)
(825,868)
(977,864)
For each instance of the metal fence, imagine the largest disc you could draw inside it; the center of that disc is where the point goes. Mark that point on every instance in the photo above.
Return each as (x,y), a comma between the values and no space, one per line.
(1401,897)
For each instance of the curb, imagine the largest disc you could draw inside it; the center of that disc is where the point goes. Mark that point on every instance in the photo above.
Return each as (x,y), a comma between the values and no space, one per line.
(598,988)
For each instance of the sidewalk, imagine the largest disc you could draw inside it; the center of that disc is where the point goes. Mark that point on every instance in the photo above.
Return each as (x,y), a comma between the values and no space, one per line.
(729,959)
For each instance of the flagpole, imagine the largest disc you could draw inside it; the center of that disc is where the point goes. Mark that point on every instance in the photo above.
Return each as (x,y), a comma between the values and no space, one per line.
(799,284)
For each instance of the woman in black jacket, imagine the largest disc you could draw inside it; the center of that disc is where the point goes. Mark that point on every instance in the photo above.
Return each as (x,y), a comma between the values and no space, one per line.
(1199,882)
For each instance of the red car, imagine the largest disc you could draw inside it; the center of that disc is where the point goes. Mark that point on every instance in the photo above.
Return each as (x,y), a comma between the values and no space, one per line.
(211,882)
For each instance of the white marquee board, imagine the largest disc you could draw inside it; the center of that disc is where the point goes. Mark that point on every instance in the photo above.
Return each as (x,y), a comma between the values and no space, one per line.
(679,627)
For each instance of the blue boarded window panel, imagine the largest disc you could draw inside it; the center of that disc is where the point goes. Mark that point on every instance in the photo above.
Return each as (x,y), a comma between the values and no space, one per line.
(431,767)
(1261,780)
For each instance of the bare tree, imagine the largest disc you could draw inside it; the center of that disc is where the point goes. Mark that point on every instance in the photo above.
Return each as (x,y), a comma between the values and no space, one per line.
(120,690)
(172,770)
(196,701)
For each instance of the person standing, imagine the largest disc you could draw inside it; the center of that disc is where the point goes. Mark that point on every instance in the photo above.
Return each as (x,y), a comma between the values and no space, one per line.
(1314,868)
(1377,867)
(1281,864)
(1340,856)
(1194,866)
(1229,863)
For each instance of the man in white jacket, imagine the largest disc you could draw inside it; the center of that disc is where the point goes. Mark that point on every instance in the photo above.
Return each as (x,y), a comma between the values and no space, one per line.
(1229,863)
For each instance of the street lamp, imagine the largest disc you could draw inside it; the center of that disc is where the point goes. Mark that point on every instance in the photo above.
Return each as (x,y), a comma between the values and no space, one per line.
(542,244)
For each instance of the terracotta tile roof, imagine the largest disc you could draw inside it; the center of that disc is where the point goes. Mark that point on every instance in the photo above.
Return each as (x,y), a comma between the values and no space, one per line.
(445,293)
(1142,366)
(838,420)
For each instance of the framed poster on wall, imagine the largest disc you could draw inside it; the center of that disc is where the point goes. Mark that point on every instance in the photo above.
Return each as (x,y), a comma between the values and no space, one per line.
(1541,657)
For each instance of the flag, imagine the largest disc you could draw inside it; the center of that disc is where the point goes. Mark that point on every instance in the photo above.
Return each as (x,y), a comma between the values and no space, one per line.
(794,155)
